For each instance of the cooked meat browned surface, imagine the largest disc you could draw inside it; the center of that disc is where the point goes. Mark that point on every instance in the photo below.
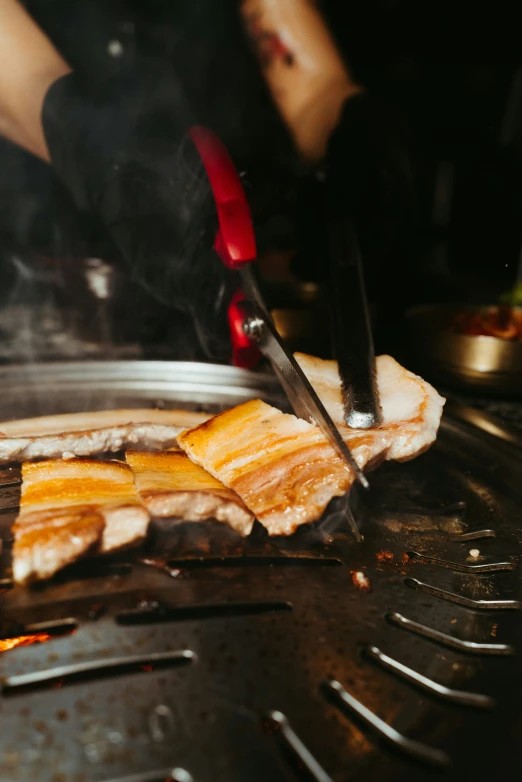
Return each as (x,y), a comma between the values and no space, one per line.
(171,485)
(284,468)
(411,407)
(86,434)
(69,507)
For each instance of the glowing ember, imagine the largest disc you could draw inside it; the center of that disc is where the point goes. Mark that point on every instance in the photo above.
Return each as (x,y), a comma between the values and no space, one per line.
(360,581)
(23,640)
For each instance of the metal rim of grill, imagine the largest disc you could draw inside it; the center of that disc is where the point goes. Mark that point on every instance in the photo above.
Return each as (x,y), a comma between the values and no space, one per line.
(205,657)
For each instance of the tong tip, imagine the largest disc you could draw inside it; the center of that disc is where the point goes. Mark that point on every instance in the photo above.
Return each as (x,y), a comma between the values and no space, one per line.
(362,420)
(363,480)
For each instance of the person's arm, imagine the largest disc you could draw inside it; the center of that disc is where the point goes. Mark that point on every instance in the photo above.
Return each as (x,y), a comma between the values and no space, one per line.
(29,64)
(306,75)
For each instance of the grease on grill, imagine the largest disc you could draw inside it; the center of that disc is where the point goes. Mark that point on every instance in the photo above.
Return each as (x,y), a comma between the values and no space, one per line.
(384,556)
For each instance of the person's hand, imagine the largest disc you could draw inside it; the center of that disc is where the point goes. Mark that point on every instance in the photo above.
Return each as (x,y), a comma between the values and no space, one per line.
(128,160)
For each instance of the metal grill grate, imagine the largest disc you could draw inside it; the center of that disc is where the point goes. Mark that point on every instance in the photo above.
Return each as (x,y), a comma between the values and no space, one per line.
(208,658)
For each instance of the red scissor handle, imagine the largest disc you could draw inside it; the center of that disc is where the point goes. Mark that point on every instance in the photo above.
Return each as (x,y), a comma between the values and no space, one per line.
(235,241)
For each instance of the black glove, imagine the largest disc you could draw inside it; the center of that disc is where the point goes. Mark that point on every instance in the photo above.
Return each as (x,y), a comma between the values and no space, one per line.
(126,158)
(368,174)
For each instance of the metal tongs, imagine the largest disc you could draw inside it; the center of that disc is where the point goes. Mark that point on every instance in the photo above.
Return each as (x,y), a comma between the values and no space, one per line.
(251,326)
(352,334)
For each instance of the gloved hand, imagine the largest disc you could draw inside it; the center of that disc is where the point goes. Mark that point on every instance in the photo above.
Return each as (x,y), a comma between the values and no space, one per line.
(128,160)
(365,175)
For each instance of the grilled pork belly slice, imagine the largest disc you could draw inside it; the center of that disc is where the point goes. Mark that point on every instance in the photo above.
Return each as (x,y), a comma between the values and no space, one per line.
(46,542)
(411,408)
(69,507)
(86,434)
(171,485)
(283,468)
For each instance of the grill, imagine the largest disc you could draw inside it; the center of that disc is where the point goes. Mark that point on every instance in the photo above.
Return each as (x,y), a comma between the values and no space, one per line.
(205,658)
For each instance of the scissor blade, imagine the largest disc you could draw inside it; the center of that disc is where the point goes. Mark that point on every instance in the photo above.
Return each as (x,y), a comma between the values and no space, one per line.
(302,397)
(251,289)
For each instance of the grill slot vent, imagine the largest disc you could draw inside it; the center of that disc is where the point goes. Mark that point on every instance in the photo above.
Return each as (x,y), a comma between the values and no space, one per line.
(37,633)
(161,775)
(490,567)
(469,647)
(335,693)
(299,755)
(54,627)
(478,534)
(427,685)
(97,669)
(467,602)
(158,614)
(94,569)
(253,561)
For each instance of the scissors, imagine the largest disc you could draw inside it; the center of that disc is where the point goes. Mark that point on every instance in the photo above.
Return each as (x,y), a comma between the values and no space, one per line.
(251,328)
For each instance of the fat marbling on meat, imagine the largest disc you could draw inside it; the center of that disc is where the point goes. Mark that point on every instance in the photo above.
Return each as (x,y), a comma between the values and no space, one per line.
(86,434)
(170,485)
(72,507)
(411,407)
(285,470)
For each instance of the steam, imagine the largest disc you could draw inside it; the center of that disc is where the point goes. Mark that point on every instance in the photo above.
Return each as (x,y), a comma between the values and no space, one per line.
(27,307)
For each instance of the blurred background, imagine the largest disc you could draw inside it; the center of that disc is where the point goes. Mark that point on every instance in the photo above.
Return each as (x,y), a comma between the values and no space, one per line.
(454,70)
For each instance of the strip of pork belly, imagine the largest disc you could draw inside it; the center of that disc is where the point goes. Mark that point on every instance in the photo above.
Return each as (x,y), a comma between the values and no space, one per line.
(69,507)
(86,434)
(282,467)
(170,485)
(411,407)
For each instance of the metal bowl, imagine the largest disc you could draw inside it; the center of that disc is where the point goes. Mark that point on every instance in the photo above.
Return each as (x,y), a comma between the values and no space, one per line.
(487,363)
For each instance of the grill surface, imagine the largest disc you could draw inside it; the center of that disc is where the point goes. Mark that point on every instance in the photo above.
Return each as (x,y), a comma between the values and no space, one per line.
(208,658)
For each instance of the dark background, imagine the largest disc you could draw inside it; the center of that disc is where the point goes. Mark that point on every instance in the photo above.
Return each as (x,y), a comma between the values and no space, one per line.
(451,67)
